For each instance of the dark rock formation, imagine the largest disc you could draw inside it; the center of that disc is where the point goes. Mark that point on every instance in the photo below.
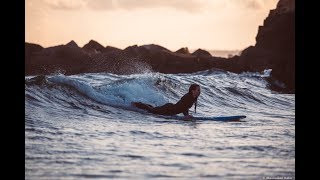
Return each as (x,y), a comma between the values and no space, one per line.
(155,48)
(93,47)
(183,50)
(69,59)
(274,48)
(110,49)
(72,44)
(31,49)
(201,53)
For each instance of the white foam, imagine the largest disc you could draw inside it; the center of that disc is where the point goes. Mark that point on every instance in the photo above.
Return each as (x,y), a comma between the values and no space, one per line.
(134,90)
(83,87)
(266,73)
(118,93)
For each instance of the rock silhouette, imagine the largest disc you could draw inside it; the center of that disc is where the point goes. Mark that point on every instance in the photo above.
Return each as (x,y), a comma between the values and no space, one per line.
(274,49)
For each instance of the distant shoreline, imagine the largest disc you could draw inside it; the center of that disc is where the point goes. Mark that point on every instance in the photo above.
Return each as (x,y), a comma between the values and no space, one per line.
(224,53)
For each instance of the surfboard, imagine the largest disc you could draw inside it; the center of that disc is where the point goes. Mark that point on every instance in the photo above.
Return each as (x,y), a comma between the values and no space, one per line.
(199,118)
(208,118)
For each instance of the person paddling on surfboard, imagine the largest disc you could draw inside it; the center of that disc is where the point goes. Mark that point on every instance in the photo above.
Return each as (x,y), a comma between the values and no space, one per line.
(181,106)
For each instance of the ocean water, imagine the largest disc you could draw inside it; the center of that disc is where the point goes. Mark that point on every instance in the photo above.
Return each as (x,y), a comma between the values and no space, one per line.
(83,127)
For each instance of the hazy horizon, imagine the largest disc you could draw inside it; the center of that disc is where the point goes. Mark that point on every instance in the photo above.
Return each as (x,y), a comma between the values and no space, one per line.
(220,25)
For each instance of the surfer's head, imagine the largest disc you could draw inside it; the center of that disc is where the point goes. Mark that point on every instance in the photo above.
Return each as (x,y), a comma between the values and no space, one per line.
(194,90)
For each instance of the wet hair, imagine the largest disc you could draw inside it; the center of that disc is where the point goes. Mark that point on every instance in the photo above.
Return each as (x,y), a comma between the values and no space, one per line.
(191,88)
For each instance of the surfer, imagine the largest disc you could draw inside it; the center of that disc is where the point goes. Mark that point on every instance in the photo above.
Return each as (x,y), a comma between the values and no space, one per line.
(182,106)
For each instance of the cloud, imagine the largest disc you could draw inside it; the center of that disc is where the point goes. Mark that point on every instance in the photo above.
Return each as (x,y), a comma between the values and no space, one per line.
(65,4)
(182,5)
(251,4)
(100,4)
(192,6)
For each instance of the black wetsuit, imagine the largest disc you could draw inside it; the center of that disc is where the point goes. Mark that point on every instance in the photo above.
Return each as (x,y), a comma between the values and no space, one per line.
(181,106)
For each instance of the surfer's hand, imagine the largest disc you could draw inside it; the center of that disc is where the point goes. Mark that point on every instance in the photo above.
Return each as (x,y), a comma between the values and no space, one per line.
(188,117)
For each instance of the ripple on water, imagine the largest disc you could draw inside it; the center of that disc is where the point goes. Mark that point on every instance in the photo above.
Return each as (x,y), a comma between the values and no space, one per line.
(193,154)
(133,156)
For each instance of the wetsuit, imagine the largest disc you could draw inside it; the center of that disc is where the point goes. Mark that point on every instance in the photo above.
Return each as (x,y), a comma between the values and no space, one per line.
(181,106)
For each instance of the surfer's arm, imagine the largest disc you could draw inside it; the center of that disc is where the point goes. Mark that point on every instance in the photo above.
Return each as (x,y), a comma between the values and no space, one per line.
(186,114)
(188,117)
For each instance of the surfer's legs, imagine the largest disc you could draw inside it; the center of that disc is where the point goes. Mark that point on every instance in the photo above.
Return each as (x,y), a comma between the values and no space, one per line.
(164,110)
(141,105)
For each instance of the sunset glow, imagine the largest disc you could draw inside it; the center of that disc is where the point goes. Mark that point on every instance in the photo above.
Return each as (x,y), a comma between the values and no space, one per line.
(206,24)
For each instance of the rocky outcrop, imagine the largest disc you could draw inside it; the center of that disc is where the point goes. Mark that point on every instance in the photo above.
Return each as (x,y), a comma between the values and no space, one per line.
(201,53)
(31,49)
(274,48)
(183,50)
(69,59)
(155,48)
(72,44)
(110,49)
(93,47)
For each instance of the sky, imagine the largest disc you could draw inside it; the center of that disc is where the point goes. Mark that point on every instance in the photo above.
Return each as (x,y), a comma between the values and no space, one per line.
(205,24)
